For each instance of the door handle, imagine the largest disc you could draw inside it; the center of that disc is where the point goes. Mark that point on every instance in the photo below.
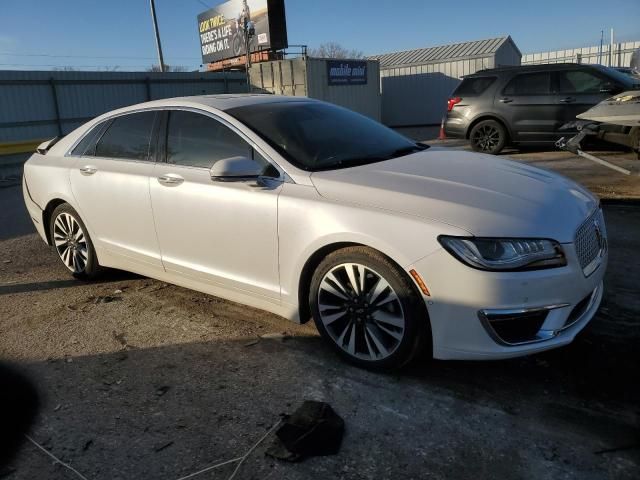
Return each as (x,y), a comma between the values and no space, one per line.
(88,170)
(506,100)
(567,100)
(170,179)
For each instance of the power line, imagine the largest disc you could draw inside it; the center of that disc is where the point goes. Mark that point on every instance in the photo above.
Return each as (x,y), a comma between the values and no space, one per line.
(87,56)
(203,4)
(79,66)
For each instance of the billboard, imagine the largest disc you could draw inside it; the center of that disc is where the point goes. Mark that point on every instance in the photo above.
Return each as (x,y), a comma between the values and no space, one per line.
(223,29)
(347,72)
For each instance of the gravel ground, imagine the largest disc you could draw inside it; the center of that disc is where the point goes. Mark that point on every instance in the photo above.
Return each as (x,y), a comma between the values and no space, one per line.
(140,379)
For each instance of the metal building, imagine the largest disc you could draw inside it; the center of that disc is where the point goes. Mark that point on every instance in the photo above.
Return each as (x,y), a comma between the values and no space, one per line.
(309,77)
(415,84)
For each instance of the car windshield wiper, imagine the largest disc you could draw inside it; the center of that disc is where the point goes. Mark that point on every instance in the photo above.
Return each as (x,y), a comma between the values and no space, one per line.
(358,161)
(418,147)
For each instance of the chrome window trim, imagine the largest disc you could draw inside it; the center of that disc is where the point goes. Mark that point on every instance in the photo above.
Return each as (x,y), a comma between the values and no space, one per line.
(283,177)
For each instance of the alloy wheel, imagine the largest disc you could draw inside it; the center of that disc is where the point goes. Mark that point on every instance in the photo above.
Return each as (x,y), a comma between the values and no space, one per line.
(361,311)
(70,242)
(486,138)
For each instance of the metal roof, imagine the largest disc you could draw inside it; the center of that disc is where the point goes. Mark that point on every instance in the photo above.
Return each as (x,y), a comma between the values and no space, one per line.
(455,51)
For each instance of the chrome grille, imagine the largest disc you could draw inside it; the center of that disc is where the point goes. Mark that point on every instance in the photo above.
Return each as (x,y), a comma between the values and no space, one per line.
(590,241)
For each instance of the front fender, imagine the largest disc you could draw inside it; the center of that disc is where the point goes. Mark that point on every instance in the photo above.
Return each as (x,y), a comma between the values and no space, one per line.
(308,223)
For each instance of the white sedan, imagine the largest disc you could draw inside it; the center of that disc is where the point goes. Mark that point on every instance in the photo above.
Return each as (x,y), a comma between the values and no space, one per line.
(309,210)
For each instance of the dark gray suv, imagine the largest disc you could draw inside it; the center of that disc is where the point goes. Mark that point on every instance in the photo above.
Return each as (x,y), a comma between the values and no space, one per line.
(527,104)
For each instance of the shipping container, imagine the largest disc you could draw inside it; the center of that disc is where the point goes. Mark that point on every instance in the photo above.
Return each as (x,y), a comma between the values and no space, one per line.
(350,83)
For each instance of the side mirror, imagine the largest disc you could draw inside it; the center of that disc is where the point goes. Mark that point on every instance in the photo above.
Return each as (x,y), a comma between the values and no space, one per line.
(235,168)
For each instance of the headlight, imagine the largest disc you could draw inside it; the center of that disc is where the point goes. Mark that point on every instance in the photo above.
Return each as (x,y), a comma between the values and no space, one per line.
(498,254)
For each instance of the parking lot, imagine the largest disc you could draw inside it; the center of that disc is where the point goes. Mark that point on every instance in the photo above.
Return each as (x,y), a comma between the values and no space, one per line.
(141,379)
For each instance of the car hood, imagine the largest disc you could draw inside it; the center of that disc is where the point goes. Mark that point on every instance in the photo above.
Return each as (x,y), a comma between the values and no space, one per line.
(485,195)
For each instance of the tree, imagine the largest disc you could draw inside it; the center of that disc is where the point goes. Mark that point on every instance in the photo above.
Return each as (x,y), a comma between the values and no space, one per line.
(334,50)
(167,68)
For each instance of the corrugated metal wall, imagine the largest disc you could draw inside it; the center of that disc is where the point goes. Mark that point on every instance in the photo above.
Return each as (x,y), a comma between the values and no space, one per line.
(40,105)
(417,94)
(621,55)
(364,99)
(280,77)
(428,93)
(307,77)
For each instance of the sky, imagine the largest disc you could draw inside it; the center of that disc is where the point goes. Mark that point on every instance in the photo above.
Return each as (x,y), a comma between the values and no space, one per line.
(91,34)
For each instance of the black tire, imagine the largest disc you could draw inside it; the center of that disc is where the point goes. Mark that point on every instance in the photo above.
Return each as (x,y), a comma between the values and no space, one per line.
(364,323)
(91,268)
(488,136)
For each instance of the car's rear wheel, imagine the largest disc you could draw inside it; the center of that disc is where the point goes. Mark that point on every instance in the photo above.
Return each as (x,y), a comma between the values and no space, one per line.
(488,136)
(368,309)
(72,242)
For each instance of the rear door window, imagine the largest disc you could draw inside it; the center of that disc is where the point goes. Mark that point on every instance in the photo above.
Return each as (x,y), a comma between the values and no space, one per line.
(128,137)
(580,81)
(538,83)
(473,86)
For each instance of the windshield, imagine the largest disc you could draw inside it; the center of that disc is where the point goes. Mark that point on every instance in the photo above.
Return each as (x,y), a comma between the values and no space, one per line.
(627,80)
(319,136)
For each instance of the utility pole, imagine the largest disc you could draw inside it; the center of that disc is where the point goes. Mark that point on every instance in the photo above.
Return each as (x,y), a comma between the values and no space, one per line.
(600,51)
(249,32)
(155,29)
(611,50)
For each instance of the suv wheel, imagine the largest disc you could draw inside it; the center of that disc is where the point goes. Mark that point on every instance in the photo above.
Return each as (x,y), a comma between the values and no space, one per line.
(488,136)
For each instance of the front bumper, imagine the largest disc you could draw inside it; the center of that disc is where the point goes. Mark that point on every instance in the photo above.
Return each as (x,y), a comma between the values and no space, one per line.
(463,299)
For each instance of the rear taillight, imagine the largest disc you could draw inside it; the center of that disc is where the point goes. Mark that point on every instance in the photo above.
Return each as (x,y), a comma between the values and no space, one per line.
(452,102)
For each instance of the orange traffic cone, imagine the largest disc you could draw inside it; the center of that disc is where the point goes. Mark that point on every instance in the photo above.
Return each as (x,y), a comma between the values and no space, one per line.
(442,135)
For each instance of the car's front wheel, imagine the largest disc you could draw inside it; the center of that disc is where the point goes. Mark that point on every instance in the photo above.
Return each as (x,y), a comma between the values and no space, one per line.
(368,309)
(488,136)
(72,242)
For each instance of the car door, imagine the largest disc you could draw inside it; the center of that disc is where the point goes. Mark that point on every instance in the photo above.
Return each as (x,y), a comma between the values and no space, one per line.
(111,187)
(530,106)
(579,90)
(220,232)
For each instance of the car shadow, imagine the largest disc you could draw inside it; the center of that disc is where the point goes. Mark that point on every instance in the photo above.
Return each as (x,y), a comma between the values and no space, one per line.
(109,276)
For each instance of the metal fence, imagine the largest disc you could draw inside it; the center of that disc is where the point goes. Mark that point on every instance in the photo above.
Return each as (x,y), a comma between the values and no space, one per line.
(620,55)
(41,105)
